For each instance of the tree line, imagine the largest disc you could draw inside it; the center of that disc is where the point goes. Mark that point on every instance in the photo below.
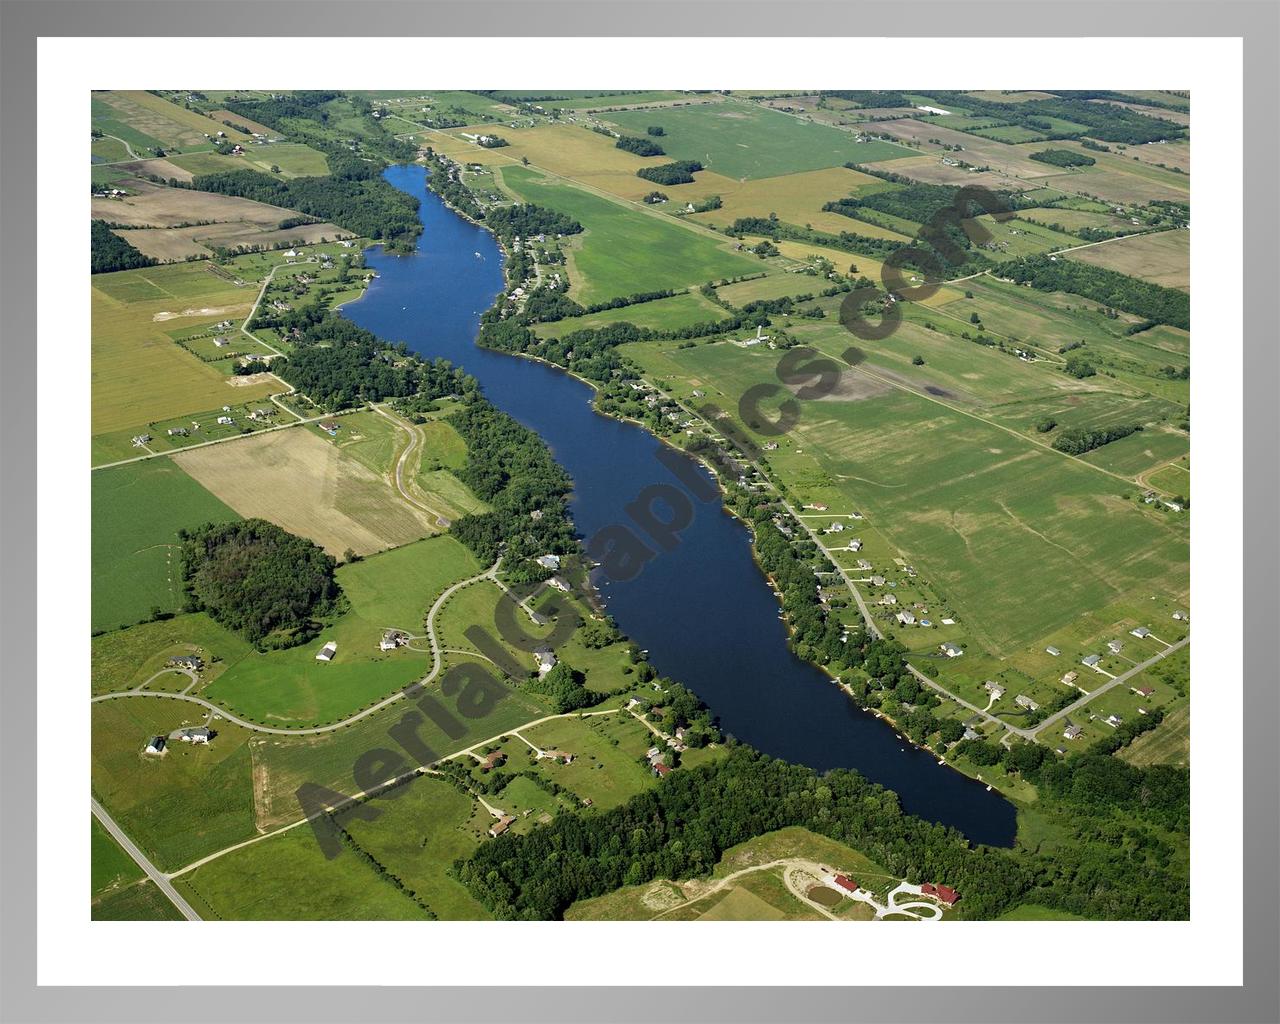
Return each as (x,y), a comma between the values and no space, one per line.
(108,252)
(1156,303)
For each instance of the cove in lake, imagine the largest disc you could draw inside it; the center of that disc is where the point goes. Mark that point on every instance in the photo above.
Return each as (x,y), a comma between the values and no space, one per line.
(703,611)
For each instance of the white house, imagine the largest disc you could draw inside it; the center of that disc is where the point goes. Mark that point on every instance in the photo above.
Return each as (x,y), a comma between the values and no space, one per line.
(951,650)
(545,659)
(549,561)
(327,651)
(1141,632)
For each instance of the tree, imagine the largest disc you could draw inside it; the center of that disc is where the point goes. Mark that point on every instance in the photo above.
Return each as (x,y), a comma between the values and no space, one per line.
(917,360)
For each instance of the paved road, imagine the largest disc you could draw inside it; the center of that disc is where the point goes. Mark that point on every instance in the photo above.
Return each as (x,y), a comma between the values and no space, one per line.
(154,873)
(414,439)
(490,573)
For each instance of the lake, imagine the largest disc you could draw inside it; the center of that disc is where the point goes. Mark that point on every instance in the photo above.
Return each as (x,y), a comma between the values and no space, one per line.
(703,610)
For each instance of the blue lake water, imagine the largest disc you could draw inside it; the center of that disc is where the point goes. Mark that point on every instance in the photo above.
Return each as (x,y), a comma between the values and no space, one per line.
(703,610)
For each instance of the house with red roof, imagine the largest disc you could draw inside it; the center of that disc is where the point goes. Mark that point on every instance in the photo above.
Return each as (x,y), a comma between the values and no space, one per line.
(846,885)
(941,893)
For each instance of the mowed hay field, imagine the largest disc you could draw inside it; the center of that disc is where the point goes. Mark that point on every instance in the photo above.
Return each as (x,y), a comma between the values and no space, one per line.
(624,250)
(298,481)
(139,375)
(137,512)
(743,140)
(1162,258)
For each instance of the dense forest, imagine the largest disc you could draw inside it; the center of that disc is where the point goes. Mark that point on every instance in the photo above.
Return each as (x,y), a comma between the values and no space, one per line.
(1063,158)
(260,580)
(510,467)
(525,219)
(367,206)
(339,365)
(679,172)
(109,252)
(640,146)
(1049,274)
(1081,440)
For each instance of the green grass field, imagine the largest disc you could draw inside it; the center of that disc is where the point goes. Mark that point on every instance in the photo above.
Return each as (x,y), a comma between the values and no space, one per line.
(288,878)
(624,250)
(393,589)
(111,868)
(125,658)
(743,140)
(959,496)
(419,835)
(137,511)
(141,901)
(661,315)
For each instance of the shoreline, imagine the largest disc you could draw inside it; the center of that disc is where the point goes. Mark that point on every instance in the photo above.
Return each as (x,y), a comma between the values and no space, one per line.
(594,596)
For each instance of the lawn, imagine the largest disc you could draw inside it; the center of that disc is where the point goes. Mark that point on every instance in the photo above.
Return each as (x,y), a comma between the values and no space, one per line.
(265,882)
(390,590)
(607,752)
(744,140)
(183,805)
(624,250)
(125,658)
(137,511)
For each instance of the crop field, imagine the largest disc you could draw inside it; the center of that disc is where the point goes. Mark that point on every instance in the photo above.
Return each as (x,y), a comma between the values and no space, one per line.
(262,883)
(741,141)
(796,199)
(1163,258)
(662,314)
(152,118)
(137,512)
(976,150)
(1123,182)
(958,495)
(623,250)
(139,375)
(179,806)
(392,590)
(299,481)
(174,224)
(574,152)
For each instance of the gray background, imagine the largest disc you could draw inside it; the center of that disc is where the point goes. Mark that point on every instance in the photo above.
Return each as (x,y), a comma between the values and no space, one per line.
(1257,22)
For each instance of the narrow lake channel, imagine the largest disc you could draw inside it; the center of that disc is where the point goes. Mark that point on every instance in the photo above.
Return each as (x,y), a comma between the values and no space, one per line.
(704,611)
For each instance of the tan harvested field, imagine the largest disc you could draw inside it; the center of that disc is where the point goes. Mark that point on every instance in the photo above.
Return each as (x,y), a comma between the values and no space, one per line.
(1000,96)
(139,375)
(173,244)
(1171,154)
(297,480)
(253,126)
(976,150)
(161,167)
(796,199)
(932,170)
(228,221)
(1074,220)
(1163,258)
(1116,177)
